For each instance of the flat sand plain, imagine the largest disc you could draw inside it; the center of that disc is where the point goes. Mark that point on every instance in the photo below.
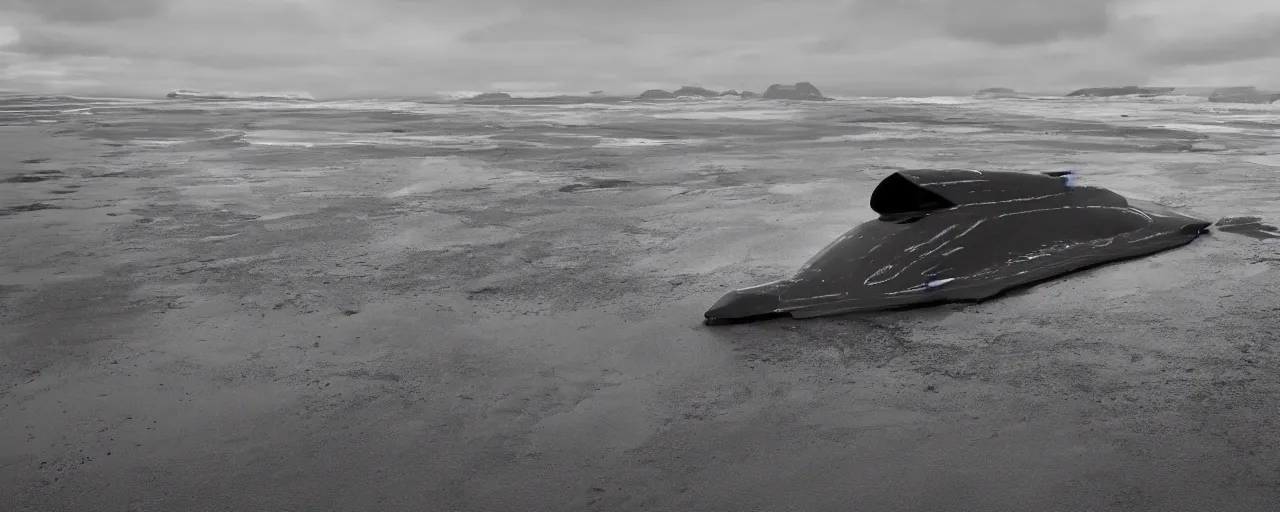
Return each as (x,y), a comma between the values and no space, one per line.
(374,307)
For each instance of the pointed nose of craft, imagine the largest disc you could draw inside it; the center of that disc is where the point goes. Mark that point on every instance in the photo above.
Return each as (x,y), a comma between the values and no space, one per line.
(741,305)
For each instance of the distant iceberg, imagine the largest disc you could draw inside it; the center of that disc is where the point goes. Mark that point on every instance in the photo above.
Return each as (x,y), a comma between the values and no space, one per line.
(187,94)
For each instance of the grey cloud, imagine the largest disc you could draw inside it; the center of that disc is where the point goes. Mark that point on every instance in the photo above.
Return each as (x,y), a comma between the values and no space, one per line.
(827,44)
(1009,22)
(541,30)
(620,10)
(403,47)
(44,43)
(87,11)
(53,42)
(697,52)
(1259,40)
(1000,22)
(602,21)
(617,11)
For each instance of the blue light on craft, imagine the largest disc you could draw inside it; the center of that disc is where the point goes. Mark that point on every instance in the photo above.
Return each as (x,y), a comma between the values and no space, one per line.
(933,283)
(1069,179)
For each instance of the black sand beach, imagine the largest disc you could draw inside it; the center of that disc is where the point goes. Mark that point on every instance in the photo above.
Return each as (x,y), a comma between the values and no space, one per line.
(396,306)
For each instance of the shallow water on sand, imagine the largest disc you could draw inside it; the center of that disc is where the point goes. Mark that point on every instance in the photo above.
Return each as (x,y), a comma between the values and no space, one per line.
(1155,149)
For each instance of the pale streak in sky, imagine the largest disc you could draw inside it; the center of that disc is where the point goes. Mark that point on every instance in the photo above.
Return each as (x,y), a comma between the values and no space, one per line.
(336,48)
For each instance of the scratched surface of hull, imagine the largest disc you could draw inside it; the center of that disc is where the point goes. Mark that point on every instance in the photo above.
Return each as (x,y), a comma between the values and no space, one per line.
(941,238)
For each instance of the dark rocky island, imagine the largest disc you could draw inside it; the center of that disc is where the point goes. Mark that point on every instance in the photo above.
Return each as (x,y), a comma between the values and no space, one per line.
(186,94)
(690,90)
(490,96)
(701,92)
(501,98)
(1248,94)
(656,94)
(998,92)
(1128,90)
(800,91)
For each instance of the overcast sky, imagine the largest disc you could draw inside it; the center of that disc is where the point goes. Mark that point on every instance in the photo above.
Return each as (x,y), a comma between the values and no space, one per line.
(343,48)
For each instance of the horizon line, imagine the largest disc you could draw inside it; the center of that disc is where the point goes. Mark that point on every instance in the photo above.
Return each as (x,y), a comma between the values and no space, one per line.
(104,94)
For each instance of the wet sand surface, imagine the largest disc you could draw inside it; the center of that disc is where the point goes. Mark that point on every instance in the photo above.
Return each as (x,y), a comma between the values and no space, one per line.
(498,308)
